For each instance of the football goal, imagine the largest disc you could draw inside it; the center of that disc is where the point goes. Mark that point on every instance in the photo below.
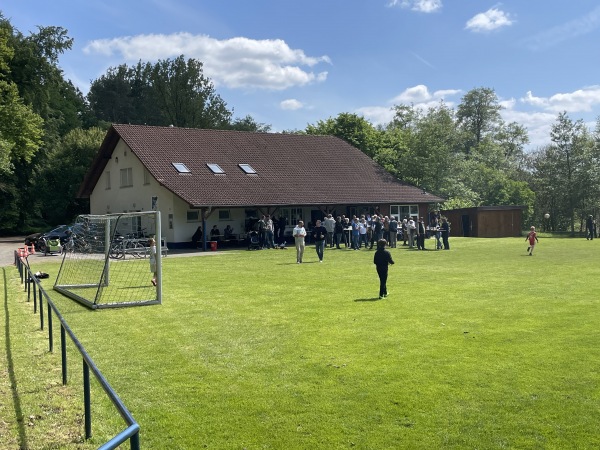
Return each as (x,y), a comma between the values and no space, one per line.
(113,260)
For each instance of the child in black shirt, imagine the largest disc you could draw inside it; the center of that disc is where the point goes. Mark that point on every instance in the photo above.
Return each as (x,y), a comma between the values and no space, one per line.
(382,259)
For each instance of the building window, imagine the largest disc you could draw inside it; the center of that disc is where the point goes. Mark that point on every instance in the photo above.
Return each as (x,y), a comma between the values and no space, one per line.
(193,216)
(247,168)
(181,168)
(224,214)
(404,211)
(292,215)
(147,177)
(126,177)
(107,179)
(215,168)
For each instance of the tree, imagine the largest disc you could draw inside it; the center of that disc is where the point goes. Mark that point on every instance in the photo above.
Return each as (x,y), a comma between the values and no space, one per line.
(568,138)
(354,129)
(170,92)
(60,179)
(249,124)
(478,115)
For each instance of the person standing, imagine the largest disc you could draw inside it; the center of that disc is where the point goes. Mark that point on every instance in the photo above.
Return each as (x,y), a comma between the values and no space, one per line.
(282,224)
(393,230)
(362,231)
(445,233)
(319,234)
(421,234)
(532,238)
(152,244)
(347,231)
(589,226)
(338,231)
(377,230)
(410,228)
(329,224)
(270,232)
(355,233)
(299,234)
(382,260)
(262,226)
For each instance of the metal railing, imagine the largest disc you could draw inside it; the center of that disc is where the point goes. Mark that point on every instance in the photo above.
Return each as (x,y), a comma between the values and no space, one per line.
(132,431)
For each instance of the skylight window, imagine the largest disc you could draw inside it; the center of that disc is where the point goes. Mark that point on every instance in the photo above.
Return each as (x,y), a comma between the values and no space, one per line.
(215,168)
(181,168)
(247,168)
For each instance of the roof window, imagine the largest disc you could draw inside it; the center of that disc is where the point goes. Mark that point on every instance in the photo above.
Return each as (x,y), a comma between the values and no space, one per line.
(181,168)
(247,168)
(215,168)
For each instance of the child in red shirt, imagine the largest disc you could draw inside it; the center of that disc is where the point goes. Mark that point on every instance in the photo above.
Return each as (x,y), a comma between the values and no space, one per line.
(532,237)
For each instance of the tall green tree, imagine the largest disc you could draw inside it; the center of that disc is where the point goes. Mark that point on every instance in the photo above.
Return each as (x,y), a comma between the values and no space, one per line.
(478,115)
(61,177)
(569,137)
(352,128)
(170,92)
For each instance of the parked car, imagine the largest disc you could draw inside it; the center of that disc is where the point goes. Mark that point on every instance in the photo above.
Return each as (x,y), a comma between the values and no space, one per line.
(32,239)
(61,234)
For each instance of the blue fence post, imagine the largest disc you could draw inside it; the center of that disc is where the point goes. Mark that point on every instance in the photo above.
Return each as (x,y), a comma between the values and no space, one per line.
(41,314)
(87,400)
(63,353)
(50,337)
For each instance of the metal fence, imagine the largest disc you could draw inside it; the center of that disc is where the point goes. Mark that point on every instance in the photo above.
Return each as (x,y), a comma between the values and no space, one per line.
(34,289)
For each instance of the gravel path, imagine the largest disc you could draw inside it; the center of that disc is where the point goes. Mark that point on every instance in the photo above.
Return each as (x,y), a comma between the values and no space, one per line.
(8,245)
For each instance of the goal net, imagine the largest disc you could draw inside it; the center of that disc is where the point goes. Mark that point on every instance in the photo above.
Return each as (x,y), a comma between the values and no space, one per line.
(109,260)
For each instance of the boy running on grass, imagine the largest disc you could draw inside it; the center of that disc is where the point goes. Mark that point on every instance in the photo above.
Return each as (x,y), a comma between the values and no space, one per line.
(532,237)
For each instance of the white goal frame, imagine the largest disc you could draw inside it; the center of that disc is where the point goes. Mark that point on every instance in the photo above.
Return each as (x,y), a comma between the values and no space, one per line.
(92,261)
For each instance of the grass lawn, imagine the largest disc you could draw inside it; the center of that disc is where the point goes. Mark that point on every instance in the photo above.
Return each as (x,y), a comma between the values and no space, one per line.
(481,347)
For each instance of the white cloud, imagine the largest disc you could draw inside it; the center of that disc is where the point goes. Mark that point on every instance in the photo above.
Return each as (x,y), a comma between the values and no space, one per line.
(417,96)
(236,63)
(377,115)
(581,100)
(538,124)
(566,31)
(420,94)
(424,6)
(291,104)
(490,20)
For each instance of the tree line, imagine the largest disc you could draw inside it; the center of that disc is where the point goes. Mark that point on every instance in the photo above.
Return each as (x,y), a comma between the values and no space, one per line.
(50,132)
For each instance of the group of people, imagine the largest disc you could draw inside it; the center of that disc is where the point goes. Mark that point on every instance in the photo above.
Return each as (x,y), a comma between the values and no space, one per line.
(271,232)
(367,230)
(215,235)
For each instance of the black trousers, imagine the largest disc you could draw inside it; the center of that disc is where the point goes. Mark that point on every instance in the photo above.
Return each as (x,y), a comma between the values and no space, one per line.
(383,275)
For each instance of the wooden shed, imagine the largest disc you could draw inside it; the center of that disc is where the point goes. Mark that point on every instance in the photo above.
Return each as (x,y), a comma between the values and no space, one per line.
(486,221)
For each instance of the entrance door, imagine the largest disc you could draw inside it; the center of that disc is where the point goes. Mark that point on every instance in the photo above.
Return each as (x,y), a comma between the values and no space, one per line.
(465,225)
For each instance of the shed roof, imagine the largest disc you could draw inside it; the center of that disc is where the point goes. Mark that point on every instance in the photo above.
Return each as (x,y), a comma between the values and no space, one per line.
(291,169)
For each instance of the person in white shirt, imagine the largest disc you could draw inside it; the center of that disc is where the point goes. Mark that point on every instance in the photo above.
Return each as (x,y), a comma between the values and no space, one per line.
(411,229)
(329,224)
(362,230)
(299,233)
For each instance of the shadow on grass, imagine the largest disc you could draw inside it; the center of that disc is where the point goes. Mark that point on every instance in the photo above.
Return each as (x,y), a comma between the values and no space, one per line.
(11,369)
(373,299)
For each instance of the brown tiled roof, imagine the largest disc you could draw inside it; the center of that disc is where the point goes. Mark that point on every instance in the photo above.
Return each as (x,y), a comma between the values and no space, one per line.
(290,169)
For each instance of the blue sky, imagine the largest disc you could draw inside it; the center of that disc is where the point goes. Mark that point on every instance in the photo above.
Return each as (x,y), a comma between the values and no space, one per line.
(291,63)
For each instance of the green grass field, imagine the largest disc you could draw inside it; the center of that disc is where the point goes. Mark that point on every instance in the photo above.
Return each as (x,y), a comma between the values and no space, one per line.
(479,347)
